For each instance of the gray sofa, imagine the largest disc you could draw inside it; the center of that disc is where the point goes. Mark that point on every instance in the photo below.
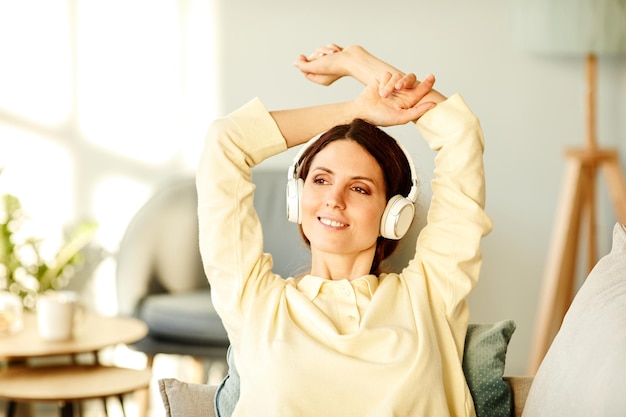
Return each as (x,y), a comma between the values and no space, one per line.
(589,346)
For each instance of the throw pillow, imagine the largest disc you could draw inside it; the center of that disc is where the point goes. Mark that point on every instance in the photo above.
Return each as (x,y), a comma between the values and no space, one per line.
(227,393)
(483,365)
(184,399)
(584,371)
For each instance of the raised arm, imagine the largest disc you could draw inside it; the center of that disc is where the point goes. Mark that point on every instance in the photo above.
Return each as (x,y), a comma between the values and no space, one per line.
(391,97)
(299,125)
(331,62)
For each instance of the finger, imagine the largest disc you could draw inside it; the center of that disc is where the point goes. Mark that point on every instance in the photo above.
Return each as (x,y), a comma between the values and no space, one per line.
(301,62)
(426,85)
(383,84)
(389,87)
(334,47)
(407,81)
(422,108)
(324,50)
(413,113)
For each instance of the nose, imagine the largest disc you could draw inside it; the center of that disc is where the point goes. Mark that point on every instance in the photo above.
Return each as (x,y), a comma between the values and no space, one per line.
(335,197)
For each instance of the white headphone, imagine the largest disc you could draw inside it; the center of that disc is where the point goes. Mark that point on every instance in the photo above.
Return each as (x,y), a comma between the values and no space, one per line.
(398,214)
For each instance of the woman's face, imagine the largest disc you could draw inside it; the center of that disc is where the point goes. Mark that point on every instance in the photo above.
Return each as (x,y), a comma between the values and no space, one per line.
(343,200)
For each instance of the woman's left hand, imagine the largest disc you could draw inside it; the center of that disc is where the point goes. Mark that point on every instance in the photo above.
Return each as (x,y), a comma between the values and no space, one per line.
(398,106)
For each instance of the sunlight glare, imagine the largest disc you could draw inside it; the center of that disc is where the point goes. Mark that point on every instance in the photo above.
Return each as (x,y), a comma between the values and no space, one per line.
(129,77)
(200,92)
(38,172)
(116,200)
(36,70)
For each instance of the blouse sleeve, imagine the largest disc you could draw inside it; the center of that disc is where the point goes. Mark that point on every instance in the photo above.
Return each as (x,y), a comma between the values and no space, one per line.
(230,236)
(448,248)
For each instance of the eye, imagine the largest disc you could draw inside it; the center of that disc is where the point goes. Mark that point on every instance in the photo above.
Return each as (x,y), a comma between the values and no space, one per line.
(361,190)
(320,180)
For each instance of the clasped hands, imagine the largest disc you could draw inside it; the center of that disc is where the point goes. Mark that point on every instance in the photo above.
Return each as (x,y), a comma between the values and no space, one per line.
(390,97)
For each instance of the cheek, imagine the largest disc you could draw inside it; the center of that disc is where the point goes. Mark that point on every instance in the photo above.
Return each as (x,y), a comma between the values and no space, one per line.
(372,215)
(376,222)
(308,205)
(307,200)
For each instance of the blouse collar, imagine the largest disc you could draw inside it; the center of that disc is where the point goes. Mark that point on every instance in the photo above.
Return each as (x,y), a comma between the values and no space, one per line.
(311,285)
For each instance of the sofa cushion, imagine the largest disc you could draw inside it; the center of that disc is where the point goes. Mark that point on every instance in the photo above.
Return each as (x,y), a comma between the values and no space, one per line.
(186,316)
(483,365)
(520,385)
(227,393)
(184,399)
(584,371)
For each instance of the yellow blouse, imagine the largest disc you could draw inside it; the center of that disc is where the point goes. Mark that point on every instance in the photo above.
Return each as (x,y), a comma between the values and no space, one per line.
(374,346)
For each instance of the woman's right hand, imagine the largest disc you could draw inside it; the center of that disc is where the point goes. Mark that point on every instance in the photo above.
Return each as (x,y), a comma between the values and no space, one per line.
(331,62)
(323,66)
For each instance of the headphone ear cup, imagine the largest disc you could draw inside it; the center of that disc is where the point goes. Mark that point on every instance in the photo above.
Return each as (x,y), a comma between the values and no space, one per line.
(294,194)
(397,217)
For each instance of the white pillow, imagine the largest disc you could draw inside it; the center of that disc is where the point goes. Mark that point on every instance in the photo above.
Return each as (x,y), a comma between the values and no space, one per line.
(584,372)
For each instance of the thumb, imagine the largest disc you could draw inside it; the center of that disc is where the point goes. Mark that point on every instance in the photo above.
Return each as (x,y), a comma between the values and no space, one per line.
(422,108)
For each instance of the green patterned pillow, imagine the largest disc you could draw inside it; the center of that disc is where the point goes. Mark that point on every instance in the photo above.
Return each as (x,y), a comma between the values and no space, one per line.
(483,365)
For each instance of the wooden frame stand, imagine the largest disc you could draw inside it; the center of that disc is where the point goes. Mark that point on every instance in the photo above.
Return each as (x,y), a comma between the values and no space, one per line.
(577,206)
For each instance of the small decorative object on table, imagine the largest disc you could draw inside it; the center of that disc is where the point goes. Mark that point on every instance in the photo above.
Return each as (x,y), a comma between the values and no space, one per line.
(11,313)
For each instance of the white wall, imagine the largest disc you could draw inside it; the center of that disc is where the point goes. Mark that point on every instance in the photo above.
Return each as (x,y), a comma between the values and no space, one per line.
(530,108)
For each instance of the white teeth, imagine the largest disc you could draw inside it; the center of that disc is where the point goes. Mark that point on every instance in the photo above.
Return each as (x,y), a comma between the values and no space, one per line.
(331,223)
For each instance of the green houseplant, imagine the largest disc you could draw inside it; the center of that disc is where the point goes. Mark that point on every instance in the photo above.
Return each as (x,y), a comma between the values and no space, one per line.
(24,270)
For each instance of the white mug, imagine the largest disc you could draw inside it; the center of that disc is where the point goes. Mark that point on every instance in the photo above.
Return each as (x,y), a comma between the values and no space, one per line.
(57,313)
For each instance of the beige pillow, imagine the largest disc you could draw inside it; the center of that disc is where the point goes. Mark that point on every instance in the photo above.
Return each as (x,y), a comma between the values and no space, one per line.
(184,399)
(584,371)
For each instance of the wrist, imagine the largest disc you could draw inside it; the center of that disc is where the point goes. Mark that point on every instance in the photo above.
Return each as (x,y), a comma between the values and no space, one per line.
(363,66)
(358,109)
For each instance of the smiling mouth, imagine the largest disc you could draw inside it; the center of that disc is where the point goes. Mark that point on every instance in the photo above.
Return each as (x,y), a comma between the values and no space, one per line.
(331,223)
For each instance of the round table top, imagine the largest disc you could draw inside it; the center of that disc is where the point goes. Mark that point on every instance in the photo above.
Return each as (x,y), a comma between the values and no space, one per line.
(69,383)
(92,333)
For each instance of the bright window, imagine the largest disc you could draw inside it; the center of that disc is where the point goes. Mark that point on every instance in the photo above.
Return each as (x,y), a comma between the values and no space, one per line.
(36,61)
(101,101)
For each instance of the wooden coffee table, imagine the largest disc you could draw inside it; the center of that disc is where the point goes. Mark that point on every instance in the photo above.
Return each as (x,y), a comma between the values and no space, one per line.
(68,383)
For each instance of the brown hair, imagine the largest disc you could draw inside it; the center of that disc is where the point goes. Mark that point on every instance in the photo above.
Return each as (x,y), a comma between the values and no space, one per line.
(390,157)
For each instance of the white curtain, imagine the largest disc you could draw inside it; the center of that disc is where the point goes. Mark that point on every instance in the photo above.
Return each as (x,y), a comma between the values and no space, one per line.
(100,100)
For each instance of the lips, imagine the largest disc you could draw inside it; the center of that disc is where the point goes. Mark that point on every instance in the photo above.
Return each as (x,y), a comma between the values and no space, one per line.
(331,223)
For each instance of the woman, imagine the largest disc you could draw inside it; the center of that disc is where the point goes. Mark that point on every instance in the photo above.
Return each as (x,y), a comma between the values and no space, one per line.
(341,341)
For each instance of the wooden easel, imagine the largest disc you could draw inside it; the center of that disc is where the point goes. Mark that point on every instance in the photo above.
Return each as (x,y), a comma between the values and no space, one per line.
(577,205)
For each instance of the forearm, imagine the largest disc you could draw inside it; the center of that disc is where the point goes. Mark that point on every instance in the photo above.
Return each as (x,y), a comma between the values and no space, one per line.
(448,247)
(365,67)
(299,125)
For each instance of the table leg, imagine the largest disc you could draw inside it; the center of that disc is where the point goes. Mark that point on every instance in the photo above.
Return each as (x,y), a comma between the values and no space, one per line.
(105,407)
(121,398)
(66,409)
(11,405)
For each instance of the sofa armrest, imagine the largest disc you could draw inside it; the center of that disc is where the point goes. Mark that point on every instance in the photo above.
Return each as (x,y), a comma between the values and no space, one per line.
(520,385)
(184,399)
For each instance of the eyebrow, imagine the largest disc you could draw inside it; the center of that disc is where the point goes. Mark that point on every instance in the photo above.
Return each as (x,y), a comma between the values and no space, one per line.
(358,177)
